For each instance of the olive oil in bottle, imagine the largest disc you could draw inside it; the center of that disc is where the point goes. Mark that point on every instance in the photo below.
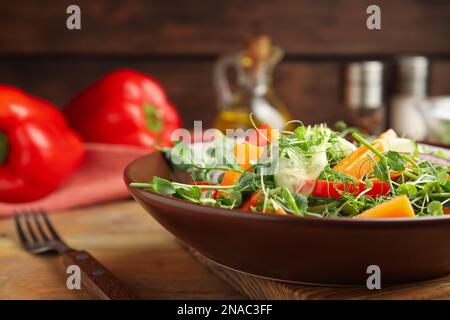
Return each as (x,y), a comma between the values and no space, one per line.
(253,93)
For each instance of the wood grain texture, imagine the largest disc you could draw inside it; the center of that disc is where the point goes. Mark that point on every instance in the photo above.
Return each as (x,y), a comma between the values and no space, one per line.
(177,41)
(440,78)
(311,91)
(260,288)
(211,27)
(125,239)
(148,260)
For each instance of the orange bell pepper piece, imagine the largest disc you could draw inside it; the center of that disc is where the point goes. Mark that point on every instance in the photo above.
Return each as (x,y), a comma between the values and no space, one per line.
(246,153)
(360,161)
(230,178)
(399,207)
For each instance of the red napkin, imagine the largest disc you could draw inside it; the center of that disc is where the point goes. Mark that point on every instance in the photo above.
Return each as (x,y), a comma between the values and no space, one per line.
(99,179)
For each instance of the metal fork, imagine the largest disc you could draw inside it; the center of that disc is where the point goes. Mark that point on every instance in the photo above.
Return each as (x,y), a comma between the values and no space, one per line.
(38,236)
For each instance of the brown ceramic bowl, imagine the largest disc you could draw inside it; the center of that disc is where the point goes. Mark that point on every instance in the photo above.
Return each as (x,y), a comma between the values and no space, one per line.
(300,249)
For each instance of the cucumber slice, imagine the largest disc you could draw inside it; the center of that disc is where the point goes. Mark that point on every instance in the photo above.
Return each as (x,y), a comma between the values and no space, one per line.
(344,146)
(402,145)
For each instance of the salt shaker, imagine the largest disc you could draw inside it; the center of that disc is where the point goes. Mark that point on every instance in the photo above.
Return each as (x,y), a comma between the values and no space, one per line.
(411,91)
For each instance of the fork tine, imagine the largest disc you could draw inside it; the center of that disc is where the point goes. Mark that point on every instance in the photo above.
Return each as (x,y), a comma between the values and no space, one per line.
(50,227)
(39,225)
(23,239)
(29,227)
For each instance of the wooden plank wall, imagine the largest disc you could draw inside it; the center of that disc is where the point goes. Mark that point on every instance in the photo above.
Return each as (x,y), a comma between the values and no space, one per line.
(177,42)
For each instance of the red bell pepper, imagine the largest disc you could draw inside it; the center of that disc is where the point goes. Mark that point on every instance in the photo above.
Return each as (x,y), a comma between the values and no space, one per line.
(334,189)
(254,199)
(124,107)
(37,149)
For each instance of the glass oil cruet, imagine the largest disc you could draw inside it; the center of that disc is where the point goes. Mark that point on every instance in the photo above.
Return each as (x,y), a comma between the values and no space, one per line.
(254,94)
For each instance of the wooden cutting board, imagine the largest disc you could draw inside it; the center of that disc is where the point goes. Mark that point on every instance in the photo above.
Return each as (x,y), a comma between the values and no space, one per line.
(259,288)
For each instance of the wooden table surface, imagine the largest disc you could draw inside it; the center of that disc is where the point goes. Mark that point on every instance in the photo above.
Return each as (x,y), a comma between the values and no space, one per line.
(124,238)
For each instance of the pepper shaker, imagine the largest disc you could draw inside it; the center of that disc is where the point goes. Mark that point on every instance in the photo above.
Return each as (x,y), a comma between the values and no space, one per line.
(363,96)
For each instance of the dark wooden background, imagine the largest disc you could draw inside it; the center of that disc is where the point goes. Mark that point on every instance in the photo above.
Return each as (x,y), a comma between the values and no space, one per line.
(177,42)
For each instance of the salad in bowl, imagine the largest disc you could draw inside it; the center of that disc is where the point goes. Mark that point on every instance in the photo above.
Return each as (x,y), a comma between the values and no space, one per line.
(309,171)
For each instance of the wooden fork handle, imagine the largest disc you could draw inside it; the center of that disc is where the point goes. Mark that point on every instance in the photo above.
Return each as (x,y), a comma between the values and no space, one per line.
(96,279)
